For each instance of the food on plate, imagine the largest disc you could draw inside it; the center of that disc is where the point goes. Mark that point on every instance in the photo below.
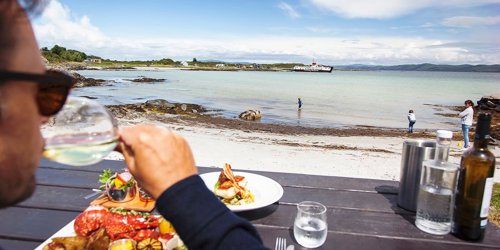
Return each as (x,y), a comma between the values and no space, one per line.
(67,243)
(99,228)
(120,187)
(119,223)
(123,244)
(183,247)
(166,227)
(144,197)
(98,241)
(232,189)
(149,244)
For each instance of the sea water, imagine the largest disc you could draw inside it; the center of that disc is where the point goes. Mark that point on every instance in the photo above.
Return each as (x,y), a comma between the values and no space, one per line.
(337,99)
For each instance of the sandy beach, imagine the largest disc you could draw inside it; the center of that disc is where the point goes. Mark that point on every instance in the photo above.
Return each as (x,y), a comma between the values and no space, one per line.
(373,153)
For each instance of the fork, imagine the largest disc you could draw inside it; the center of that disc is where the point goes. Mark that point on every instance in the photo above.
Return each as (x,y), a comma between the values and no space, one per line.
(280,244)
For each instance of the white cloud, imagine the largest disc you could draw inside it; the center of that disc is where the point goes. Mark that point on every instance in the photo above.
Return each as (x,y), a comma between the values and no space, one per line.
(320,29)
(389,8)
(58,26)
(469,21)
(289,10)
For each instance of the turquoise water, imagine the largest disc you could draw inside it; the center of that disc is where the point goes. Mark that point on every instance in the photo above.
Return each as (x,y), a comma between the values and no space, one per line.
(339,99)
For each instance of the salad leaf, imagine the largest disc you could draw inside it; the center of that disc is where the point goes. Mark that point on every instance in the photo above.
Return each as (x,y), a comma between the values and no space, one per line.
(104,177)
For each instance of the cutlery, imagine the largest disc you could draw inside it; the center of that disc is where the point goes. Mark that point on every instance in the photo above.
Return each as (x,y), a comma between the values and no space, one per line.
(280,244)
(97,191)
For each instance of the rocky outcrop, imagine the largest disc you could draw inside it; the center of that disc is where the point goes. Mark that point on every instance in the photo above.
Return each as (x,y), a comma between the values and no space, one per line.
(490,102)
(154,107)
(250,115)
(146,80)
(82,81)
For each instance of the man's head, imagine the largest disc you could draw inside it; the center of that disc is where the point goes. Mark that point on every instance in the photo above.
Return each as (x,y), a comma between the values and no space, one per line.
(20,140)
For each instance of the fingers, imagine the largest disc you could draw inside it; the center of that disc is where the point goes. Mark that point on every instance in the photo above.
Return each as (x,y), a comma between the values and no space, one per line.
(157,157)
(128,154)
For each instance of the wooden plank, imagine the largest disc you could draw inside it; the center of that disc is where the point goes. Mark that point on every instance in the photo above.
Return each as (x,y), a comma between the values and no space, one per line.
(293,195)
(344,241)
(67,178)
(53,196)
(32,224)
(285,179)
(323,182)
(59,198)
(8,244)
(344,199)
(383,225)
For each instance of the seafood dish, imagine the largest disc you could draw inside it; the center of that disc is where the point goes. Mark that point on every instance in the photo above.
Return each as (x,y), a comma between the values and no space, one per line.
(231,189)
(99,228)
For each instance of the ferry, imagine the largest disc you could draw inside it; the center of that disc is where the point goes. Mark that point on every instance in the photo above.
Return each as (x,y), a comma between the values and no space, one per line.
(314,67)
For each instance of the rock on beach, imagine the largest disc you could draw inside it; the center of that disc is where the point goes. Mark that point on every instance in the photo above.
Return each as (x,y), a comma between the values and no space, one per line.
(154,107)
(250,115)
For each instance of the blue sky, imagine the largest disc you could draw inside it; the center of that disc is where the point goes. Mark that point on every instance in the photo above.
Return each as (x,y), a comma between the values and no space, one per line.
(334,32)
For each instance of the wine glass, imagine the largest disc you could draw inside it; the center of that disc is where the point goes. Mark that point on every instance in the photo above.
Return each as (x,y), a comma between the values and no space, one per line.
(82,133)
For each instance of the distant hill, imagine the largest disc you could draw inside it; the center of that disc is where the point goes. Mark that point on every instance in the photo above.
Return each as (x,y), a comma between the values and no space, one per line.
(58,54)
(425,67)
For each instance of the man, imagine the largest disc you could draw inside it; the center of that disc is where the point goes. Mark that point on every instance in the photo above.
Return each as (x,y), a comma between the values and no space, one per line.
(467,116)
(160,160)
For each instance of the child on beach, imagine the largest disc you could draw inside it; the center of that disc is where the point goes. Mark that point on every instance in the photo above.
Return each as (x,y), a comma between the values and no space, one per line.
(300,103)
(411,119)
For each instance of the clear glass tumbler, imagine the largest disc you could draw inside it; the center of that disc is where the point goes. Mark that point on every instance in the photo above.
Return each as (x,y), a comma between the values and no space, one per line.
(310,226)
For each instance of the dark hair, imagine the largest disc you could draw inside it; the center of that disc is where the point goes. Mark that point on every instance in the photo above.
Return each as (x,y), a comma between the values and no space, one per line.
(411,111)
(469,102)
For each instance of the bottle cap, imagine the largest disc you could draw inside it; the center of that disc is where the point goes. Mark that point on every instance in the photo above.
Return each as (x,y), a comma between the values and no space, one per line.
(446,134)
(483,125)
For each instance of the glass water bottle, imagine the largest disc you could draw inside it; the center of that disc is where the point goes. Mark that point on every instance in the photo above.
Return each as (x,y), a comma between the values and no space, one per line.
(436,192)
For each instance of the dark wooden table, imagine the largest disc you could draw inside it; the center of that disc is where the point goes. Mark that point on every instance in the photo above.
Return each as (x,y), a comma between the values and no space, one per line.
(362,213)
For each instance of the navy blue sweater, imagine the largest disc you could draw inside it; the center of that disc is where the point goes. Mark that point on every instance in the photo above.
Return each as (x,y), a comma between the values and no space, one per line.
(202,221)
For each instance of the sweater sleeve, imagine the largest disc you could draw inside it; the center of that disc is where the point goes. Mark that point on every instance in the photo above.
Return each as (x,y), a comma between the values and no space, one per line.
(202,221)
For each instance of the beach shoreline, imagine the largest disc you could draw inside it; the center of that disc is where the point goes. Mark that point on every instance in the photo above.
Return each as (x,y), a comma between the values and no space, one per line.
(359,152)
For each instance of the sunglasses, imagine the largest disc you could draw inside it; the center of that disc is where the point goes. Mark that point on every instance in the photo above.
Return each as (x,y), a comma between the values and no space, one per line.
(53,88)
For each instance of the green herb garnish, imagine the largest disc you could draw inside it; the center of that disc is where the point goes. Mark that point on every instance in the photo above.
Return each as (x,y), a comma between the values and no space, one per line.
(104,177)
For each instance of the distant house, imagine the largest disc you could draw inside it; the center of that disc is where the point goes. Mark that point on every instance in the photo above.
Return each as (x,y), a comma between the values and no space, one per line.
(92,60)
(184,63)
(220,65)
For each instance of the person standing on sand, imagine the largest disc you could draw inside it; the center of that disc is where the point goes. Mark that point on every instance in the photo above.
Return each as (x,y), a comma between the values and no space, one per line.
(411,119)
(467,116)
(300,103)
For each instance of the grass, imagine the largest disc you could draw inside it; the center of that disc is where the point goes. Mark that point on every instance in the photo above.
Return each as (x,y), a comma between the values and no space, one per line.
(494,214)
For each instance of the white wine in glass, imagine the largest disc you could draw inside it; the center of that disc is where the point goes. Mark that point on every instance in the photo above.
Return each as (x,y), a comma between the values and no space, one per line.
(82,133)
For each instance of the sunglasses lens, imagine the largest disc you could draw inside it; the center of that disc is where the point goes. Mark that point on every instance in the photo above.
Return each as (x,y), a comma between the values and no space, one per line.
(51,97)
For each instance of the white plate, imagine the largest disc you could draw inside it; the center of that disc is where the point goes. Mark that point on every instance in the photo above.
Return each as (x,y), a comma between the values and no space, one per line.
(66,231)
(265,190)
(69,231)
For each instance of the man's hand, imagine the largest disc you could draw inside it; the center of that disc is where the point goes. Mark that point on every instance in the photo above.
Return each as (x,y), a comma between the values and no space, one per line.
(156,157)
